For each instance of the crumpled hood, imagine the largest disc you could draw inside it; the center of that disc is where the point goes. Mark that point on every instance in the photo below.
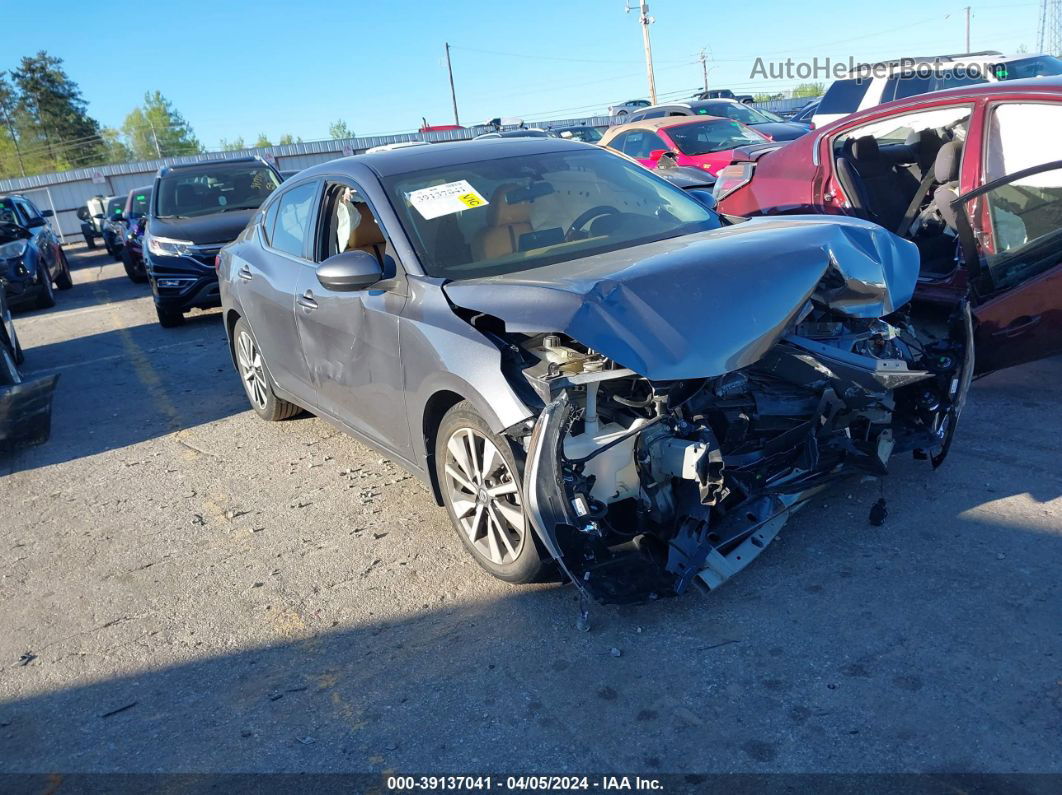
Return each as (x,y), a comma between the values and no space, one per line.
(702,305)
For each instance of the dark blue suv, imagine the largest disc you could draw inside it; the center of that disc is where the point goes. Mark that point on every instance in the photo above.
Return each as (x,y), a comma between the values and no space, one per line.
(196,209)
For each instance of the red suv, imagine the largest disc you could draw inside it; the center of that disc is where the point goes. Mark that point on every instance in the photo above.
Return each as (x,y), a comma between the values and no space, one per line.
(972,176)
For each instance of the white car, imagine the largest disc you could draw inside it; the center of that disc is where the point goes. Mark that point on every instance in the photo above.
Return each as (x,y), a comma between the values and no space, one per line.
(911,76)
(631,105)
(391,147)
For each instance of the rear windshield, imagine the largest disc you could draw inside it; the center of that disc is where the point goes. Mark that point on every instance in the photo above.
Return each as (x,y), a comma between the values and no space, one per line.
(843,96)
(115,205)
(138,202)
(212,189)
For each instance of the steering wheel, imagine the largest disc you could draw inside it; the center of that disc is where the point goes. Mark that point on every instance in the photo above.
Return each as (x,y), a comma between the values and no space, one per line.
(586,217)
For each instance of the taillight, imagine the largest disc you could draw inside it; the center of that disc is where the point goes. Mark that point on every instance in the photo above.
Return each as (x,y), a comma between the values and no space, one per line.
(811,126)
(731,178)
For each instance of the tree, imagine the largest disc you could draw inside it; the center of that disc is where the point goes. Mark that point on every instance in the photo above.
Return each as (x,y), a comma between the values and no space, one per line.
(11,163)
(232,146)
(809,90)
(287,139)
(157,129)
(53,126)
(339,129)
(117,151)
(262,141)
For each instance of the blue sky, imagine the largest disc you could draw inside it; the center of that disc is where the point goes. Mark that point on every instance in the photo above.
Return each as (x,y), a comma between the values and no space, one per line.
(239,68)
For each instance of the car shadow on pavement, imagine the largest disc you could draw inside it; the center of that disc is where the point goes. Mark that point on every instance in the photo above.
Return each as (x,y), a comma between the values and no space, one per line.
(857,650)
(126,385)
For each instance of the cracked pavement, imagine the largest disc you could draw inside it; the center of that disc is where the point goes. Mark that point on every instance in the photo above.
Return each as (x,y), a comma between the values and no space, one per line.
(187,588)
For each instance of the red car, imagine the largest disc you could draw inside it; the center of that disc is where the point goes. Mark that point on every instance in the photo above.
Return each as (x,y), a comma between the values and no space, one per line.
(972,176)
(706,142)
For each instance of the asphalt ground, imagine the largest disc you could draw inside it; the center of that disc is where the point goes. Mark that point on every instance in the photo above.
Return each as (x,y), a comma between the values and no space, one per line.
(187,588)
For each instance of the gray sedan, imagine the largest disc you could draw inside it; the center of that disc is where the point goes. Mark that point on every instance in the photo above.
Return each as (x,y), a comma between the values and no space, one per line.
(591,374)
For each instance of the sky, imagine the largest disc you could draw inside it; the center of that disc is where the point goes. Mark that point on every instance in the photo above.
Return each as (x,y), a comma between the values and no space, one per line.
(236,68)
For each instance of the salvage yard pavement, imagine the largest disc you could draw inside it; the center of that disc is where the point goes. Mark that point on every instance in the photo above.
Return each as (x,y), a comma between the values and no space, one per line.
(187,588)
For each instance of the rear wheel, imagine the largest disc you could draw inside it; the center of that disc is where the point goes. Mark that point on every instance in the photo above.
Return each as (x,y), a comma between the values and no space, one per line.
(46,297)
(90,241)
(64,281)
(168,318)
(254,374)
(479,477)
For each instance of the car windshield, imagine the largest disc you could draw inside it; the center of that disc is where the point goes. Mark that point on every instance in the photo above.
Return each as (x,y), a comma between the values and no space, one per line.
(214,189)
(712,136)
(734,110)
(590,135)
(139,204)
(511,214)
(1038,66)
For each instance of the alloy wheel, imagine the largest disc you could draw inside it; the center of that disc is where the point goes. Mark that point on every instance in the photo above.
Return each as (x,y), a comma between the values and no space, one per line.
(485,496)
(252,370)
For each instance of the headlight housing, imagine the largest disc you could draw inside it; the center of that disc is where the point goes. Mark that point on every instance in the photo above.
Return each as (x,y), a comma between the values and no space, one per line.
(13,249)
(163,246)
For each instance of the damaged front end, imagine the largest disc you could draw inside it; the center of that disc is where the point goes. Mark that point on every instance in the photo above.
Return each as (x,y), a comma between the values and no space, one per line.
(640,485)
(639,489)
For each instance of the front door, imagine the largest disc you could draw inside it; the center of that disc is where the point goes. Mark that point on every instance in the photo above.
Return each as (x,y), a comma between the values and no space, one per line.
(350,339)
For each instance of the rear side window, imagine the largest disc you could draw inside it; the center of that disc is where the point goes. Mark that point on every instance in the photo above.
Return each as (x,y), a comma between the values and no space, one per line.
(843,96)
(291,230)
(952,80)
(903,86)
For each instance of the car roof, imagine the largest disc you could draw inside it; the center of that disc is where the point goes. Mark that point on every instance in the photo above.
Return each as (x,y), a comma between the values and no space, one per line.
(1051,86)
(441,155)
(219,161)
(142,188)
(663,123)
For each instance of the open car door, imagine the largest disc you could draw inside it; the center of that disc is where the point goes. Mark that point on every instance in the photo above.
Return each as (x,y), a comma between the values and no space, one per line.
(1010,231)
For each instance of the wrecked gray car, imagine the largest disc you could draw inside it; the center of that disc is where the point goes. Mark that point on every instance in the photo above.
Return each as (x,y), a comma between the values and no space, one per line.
(585,366)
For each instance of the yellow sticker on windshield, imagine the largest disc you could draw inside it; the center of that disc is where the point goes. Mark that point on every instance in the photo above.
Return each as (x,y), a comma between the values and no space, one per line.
(446,199)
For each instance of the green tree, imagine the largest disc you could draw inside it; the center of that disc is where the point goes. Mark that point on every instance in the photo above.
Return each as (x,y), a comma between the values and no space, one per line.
(117,151)
(809,90)
(51,118)
(10,158)
(287,139)
(232,146)
(263,140)
(157,129)
(339,129)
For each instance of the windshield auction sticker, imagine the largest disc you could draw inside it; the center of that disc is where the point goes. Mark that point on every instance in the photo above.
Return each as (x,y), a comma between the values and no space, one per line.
(452,197)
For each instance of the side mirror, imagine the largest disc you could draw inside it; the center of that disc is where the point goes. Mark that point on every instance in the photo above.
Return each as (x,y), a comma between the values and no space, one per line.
(705,197)
(33,223)
(349,271)
(83,213)
(656,154)
(47,213)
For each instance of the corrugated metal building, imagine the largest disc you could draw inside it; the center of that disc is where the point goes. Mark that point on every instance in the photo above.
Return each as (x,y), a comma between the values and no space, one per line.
(65,192)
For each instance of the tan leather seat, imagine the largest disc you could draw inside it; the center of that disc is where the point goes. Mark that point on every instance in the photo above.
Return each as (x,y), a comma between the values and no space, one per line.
(366,235)
(505,224)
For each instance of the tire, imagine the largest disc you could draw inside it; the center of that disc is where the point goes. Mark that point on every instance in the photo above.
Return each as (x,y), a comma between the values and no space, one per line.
(9,375)
(471,462)
(132,270)
(90,242)
(257,382)
(109,245)
(64,281)
(46,298)
(117,253)
(168,318)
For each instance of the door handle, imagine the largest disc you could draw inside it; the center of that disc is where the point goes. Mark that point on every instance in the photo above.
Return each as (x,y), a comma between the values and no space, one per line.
(1018,326)
(244,273)
(306,301)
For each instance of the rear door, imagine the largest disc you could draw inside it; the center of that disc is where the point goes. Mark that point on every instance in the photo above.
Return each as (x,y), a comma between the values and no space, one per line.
(268,276)
(44,240)
(1011,233)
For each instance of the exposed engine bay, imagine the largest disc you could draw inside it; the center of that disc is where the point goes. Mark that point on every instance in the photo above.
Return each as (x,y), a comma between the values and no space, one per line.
(646,479)
(643,487)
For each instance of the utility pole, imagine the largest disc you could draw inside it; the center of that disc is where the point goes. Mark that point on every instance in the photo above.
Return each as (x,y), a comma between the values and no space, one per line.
(704,68)
(967,29)
(154,137)
(453,94)
(646,21)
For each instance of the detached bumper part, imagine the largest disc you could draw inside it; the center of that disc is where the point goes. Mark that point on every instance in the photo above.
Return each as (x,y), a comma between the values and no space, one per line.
(26,413)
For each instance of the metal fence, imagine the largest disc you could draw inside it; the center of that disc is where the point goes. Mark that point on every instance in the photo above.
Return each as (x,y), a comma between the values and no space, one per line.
(781,106)
(65,192)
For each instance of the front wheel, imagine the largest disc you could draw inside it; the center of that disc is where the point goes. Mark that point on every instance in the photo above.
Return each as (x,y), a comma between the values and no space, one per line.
(169,318)
(479,477)
(257,382)
(90,241)
(46,297)
(135,271)
(64,281)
